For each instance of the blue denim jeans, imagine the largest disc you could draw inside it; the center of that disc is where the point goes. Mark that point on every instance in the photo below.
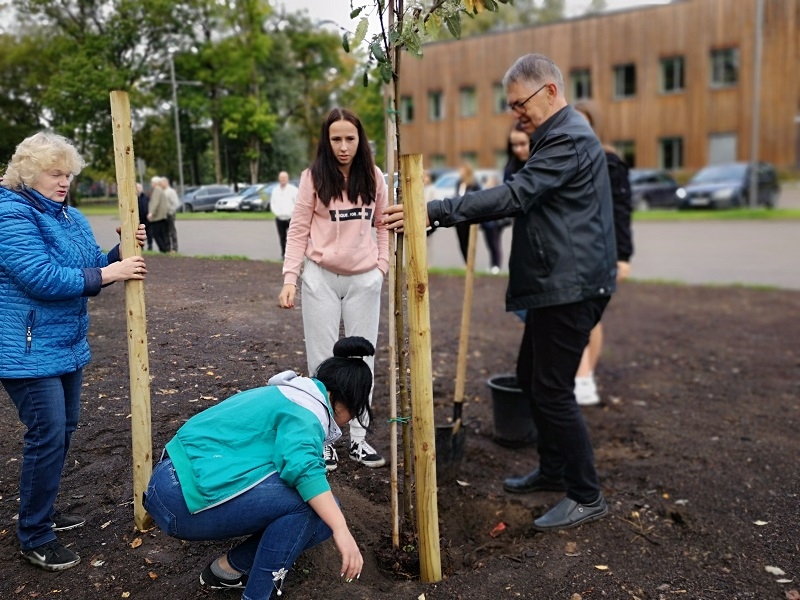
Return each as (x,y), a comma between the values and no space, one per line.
(279,523)
(49,407)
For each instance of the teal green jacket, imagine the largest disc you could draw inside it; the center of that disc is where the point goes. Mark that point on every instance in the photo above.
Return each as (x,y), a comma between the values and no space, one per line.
(230,448)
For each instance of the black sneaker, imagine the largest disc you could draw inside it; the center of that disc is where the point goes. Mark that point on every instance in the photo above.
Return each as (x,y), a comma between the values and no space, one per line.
(52,556)
(331,458)
(208,578)
(62,522)
(365,454)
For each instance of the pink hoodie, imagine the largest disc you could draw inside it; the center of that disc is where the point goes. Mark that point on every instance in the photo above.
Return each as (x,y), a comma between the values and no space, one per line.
(337,237)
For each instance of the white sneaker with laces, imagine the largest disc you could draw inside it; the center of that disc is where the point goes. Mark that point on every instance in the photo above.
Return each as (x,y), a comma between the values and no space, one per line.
(365,454)
(331,458)
(586,391)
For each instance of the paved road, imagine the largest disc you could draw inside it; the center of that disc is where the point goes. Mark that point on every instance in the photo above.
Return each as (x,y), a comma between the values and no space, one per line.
(706,252)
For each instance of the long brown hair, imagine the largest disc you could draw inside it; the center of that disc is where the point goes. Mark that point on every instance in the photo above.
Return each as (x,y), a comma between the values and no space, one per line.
(329,182)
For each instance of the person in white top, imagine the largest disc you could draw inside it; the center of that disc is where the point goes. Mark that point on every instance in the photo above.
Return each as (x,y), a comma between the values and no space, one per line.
(281,203)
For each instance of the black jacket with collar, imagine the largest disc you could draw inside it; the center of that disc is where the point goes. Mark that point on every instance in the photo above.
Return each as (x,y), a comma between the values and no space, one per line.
(563,247)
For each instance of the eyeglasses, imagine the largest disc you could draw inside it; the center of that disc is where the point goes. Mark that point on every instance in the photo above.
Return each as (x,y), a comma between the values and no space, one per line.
(518,106)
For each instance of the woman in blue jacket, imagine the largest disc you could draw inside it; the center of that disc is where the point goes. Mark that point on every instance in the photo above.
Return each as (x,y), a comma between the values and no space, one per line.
(50,264)
(253,466)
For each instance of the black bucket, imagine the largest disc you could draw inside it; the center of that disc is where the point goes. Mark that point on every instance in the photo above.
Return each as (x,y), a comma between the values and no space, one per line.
(513,422)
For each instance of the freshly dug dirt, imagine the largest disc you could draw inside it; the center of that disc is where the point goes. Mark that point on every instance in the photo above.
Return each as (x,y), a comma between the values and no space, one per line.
(696,444)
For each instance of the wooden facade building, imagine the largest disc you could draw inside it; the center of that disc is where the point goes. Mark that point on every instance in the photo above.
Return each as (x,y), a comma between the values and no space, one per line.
(674,84)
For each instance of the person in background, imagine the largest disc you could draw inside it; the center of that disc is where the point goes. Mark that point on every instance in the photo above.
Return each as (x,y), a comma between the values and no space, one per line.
(585,384)
(562,271)
(173,204)
(331,239)
(466,183)
(281,203)
(143,200)
(157,212)
(518,150)
(252,466)
(50,264)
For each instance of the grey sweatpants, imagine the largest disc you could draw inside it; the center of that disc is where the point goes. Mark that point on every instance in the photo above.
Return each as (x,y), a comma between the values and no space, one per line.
(328,300)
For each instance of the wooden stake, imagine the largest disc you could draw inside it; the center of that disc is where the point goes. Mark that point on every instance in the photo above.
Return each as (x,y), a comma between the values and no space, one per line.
(138,363)
(421,368)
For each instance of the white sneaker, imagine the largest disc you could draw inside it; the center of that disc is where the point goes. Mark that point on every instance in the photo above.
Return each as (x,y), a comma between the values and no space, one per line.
(331,458)
(586,391)
(495,270)
(365,454)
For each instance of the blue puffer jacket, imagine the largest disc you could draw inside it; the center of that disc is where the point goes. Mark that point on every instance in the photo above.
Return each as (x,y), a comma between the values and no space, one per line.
(49,265)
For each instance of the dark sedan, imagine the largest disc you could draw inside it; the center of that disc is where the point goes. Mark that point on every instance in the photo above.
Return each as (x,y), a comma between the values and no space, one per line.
(652,188)
(728,186)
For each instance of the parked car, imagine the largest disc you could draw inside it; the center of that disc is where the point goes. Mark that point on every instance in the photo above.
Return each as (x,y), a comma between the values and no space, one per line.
(234,203)
(652,188)
(445,185)
(728,185)
(204,198)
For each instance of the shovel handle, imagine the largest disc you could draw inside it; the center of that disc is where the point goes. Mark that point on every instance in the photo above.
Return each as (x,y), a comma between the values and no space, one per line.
(466,310)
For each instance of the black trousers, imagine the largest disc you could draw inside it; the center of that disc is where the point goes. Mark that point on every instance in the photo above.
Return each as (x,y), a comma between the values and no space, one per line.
(283,228)
(462,230)
(549,356)
(161,234)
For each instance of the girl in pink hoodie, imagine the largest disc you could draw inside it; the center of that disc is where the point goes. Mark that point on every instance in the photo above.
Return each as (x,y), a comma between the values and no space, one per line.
(331,248)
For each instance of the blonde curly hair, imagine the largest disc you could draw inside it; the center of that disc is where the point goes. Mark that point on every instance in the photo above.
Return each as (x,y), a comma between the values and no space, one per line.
(39,153)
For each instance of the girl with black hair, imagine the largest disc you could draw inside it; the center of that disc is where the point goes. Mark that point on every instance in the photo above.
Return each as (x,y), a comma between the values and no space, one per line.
(343,264)
(252,466)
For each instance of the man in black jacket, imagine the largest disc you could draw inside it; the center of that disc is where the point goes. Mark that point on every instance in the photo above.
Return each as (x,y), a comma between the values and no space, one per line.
(562,272)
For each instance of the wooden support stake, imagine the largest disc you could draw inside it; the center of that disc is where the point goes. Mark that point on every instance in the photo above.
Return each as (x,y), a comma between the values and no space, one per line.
(138,363)
(421,370)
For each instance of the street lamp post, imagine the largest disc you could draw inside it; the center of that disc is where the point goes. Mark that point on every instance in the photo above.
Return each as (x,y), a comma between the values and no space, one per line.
(177,124)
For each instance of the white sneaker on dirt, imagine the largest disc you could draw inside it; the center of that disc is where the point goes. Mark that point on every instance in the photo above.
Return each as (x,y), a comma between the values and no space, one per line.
(586,391)
(331,458)
(365,454)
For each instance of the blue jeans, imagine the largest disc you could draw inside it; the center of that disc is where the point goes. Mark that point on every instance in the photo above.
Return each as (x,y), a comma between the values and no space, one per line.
(49,407)
(279,523)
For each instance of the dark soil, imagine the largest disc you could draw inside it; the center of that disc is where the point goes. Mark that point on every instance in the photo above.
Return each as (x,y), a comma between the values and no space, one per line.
(696,443)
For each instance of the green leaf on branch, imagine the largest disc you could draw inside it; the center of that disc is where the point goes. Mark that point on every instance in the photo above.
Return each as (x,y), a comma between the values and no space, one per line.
(345,43)
(491,5)
(361,31)
(365,79)
(453,23)
(386,72)
(355,12)
(377,51)
(413,42)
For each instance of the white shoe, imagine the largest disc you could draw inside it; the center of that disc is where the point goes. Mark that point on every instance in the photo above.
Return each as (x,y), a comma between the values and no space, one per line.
(586,391)
(365,454)
(495,270)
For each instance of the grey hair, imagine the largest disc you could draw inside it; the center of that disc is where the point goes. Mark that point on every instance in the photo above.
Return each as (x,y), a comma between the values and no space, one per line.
(534,69)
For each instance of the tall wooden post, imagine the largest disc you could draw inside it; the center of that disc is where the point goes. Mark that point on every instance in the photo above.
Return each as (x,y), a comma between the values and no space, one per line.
(415,216)
(138,363)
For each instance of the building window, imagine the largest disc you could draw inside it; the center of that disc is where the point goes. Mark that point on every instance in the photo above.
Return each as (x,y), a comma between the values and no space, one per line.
(724,67)
(624,81)
(468,100)
(499,98)
(438,161)
(580,84)
(626,150)
(407,109)
(435,106)
(671,153)
(470,158)
(672,74)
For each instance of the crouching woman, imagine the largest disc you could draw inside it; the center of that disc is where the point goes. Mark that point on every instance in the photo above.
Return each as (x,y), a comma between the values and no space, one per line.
(253,466)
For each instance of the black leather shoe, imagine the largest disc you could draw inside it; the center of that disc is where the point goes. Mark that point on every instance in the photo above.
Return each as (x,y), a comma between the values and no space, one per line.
(568,513)
(533,482)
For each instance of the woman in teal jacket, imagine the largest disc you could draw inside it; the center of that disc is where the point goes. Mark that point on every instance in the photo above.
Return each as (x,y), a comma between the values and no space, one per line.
(50,264)
(253,466)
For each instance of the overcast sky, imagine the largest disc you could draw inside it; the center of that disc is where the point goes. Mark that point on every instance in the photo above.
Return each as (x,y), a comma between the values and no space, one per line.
(339,10)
